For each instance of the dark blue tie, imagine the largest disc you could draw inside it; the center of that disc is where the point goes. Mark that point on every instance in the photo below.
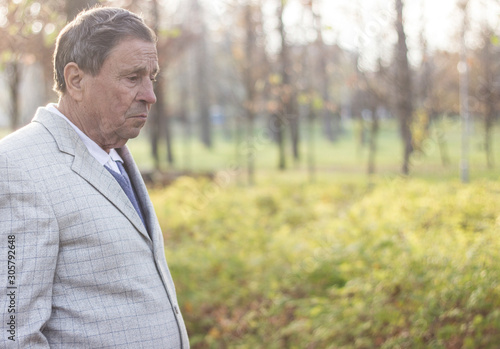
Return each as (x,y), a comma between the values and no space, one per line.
(126,185)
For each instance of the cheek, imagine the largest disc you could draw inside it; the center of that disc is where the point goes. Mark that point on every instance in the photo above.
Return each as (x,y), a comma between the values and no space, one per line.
(100,100)
(121,100)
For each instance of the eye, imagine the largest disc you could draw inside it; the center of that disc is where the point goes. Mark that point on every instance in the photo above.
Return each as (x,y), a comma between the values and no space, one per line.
(133,78)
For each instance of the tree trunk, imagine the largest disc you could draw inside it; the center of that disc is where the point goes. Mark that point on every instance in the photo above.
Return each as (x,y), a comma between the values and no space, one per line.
(203,98)
(249,82)
(404,105)
(489,99)
(287,91)
(464,97)
(279,130)
(160,121)
(202,78)
(186,122)
(250,148)
(311,159)
(372,149)
(324,83)
(154,138)
(488,140)
(165,121)
(294,132)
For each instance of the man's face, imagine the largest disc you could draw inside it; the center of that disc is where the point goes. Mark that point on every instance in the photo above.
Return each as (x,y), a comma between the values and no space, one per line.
(117,101)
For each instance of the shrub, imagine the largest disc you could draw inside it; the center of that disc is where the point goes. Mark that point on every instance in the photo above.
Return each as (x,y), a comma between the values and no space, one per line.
(401,264)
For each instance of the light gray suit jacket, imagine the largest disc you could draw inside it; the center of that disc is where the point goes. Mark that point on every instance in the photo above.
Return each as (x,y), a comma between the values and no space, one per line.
(86,273)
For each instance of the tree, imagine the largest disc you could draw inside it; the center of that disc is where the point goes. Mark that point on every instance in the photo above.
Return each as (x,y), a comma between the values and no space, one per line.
(311,100)
(488,93)
(464,94)
(287,99)
(161,122)
(27,37)
(370,92)
(324,75)
(202,62)
(250,78)
(403,84)
(479,71)
(278,109)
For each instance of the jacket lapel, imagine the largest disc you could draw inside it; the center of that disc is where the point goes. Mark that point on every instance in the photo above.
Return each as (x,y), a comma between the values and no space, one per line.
(89,168)
(142,196)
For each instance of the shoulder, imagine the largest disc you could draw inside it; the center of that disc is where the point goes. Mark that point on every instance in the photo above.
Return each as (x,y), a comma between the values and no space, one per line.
(22,136)
(34,149)
(25,142)
(46,134)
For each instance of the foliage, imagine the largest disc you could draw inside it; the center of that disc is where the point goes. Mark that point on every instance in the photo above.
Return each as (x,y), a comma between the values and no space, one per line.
(397,264)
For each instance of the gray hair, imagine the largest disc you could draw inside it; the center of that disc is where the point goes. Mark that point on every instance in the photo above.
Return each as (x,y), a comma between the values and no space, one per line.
(90,37)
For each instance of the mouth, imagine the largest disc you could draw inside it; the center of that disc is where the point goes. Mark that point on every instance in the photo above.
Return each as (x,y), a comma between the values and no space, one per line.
(139,116)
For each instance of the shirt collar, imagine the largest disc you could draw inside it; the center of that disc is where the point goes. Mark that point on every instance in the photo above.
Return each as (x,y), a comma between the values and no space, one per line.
(96,151)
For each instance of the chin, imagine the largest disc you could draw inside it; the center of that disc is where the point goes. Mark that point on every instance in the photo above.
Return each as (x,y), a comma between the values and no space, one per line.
(134,133)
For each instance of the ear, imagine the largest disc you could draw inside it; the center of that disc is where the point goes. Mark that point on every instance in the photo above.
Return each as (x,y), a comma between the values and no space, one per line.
(73,77)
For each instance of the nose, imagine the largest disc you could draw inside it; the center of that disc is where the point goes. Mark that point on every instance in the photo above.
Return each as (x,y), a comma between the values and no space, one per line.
(147,93)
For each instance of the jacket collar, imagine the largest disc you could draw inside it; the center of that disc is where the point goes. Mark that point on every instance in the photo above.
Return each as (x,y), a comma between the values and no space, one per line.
(87,167)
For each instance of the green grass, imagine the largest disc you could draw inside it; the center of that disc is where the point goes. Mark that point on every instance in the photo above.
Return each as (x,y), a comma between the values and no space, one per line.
(339,263)
(343,158)
(344,262)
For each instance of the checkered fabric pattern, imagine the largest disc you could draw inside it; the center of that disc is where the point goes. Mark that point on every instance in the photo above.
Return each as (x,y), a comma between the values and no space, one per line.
(88,275)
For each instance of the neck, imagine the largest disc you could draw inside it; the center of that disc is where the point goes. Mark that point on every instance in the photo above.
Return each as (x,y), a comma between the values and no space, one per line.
(70,108)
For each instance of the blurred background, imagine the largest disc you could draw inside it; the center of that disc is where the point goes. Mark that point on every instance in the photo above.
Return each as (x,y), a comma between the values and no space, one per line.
(310,85)
(325,171)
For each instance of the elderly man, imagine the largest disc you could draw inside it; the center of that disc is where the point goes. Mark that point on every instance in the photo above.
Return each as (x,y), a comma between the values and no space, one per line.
(83,262)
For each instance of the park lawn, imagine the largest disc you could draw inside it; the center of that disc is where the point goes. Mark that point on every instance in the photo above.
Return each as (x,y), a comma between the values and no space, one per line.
(338,263)
(344,157)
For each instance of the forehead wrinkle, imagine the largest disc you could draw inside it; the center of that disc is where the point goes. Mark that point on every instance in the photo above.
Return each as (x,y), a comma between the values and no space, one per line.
(142,70)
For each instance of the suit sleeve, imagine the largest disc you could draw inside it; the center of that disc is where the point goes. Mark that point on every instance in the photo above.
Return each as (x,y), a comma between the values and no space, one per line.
(29,245)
